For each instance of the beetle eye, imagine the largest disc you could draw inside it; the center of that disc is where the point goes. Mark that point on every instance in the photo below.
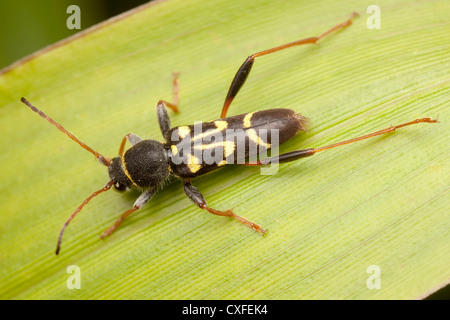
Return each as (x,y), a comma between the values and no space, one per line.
(119,186)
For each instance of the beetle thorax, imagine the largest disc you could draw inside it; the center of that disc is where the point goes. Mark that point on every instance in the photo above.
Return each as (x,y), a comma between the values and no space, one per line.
(145,164)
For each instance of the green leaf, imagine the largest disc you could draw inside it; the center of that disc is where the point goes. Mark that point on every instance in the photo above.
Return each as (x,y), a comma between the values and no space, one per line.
(379,203)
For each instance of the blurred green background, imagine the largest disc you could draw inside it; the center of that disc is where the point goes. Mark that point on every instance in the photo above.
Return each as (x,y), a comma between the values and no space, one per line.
(30,25)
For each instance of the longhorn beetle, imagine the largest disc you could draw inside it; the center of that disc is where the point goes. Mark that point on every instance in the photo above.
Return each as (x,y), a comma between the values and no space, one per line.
(184,153)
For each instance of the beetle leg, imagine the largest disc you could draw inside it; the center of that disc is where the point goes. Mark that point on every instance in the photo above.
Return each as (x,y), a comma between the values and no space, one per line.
(244,70)
(196,197)
(161,110)
(130,137)
(140,201)
(297,154)
(163,118)
(175,87)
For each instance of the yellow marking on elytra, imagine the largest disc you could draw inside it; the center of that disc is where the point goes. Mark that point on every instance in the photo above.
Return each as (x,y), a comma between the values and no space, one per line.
(207,133)
(221,124)
(124,166)
(193,163)
(174,149)
(256,139)
(183,131)
(228,146)
(222,163)
(247,120)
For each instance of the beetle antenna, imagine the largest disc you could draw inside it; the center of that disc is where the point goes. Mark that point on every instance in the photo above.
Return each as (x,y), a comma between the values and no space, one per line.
(103,160)
(105,188)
